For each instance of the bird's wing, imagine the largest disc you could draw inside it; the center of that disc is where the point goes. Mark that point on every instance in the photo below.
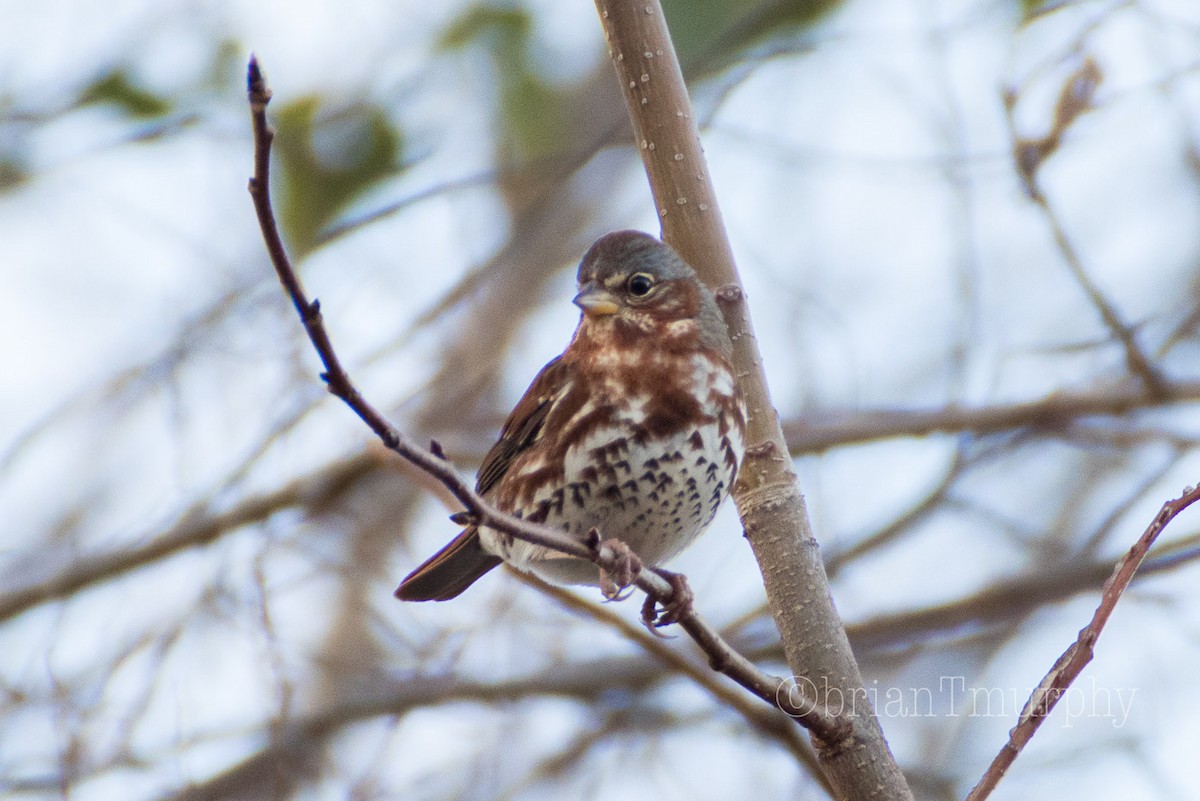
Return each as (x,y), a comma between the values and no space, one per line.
(524,425)
(455,567)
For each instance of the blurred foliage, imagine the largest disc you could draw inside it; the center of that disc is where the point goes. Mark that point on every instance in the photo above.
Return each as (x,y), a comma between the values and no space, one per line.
(115,88)
(708,34)
(12,174)
(532,119)
(1032,9)
(327,160)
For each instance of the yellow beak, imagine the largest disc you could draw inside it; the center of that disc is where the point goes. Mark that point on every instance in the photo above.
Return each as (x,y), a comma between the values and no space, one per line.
(596,302)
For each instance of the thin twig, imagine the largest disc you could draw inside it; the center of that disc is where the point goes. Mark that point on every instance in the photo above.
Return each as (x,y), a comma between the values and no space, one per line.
(830,728)
(1075,99)
(1046,695)
(903,523)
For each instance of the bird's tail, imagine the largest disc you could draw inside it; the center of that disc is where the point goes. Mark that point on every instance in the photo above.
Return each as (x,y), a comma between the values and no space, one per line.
(449,571)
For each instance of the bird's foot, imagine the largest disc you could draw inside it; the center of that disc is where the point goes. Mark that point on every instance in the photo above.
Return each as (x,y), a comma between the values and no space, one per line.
(678,607)
(616,583)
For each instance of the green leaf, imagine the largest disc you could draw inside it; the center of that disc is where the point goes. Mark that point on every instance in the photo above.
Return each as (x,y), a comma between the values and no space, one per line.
(328,160)
(12,174)
(533,122)
(117,89)
(1032,9)
(709,34)
(502,28)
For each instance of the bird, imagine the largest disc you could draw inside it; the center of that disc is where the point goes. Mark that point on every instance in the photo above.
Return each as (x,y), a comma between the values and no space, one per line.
(635,431)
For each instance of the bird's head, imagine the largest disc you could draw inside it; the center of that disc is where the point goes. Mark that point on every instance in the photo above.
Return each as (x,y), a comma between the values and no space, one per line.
(639,287)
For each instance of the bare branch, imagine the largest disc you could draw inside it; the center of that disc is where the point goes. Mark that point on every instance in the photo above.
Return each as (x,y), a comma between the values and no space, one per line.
(816,432)
(1003,601)
(1046,695)
(301,738)
(195,528)
(1074,99)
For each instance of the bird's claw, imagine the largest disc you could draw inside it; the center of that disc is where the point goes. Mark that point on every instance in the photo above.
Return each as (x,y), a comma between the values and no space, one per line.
(678,607)
(616,583)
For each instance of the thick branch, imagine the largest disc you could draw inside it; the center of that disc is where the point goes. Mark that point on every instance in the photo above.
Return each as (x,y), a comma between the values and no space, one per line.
(767,494)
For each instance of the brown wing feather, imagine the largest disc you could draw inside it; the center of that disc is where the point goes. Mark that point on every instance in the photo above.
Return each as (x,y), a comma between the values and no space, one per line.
(523,426)
(456,567)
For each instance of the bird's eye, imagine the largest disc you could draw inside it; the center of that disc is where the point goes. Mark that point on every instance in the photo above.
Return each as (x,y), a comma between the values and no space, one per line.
(640,284)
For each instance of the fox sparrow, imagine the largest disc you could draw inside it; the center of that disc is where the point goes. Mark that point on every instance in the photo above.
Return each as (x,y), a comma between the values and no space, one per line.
(635,430)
